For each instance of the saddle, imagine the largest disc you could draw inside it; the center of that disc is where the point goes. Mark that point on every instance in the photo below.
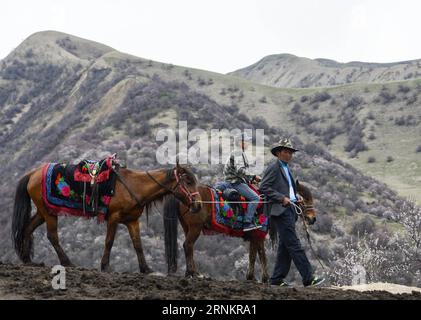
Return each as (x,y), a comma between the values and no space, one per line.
(234,200)
(228,212)
(94,172)
(232,197)
(83,189)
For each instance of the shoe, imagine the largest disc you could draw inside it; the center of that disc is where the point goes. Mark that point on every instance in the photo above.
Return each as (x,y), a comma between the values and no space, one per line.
(250,226)
(316,281)
(282,284)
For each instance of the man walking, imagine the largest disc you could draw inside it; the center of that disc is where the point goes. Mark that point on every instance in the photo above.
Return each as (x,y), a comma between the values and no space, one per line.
(279,187)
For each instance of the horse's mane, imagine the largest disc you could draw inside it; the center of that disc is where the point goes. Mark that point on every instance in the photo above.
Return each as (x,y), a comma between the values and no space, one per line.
(169,174)
(305,192)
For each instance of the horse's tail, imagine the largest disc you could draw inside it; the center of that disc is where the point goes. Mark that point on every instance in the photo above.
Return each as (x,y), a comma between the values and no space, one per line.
(273,233)
(171,211)
(21,217)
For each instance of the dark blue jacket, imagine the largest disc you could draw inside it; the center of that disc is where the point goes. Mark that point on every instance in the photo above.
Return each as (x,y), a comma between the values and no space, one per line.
(275,187)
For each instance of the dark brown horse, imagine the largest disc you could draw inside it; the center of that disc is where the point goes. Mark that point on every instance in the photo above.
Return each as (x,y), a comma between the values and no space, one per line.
(194,223)
(134,192)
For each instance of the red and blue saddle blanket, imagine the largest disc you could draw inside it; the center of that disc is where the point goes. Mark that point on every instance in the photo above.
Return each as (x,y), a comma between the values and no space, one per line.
(67,189)
(229,220)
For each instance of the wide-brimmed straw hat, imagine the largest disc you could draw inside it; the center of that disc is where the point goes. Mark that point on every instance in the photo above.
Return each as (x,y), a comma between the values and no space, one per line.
(283,143)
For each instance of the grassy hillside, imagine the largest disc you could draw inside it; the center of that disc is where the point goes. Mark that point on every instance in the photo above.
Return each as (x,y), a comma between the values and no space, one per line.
(63,98)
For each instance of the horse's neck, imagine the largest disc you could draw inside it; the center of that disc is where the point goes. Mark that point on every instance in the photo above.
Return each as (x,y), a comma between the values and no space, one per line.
(151,190)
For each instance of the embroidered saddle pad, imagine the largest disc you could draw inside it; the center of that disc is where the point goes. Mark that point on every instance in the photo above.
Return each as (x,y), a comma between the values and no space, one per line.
(67,189)
(228,218)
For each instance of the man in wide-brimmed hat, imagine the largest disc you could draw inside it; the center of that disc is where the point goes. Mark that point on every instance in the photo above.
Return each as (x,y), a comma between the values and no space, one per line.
(280,189)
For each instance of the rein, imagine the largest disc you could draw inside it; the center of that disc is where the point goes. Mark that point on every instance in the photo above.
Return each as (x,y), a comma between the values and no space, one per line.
(142,203)
(299,211)
(179,184)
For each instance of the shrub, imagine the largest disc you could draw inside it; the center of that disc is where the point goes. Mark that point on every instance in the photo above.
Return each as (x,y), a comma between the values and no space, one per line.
(313,149)
(354,102)
(386,97)
(323,224)
(349,206)
(412,99)
(403,89)
(304,99)
(263,99)
(371,160)
(364,226)
(296,108)
(320,97)
(370,116)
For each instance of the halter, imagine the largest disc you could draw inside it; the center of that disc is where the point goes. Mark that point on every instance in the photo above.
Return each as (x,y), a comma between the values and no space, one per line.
(183,189)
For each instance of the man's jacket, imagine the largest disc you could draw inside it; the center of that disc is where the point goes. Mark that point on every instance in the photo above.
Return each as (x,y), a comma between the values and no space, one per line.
(236,168)
(275,187)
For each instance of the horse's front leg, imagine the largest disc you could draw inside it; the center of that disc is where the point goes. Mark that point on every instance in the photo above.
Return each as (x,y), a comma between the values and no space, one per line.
(252,260)
(263,260)
(188,245)
(134,231)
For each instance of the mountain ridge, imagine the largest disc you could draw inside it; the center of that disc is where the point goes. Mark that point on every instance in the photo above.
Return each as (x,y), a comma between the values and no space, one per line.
(290,71)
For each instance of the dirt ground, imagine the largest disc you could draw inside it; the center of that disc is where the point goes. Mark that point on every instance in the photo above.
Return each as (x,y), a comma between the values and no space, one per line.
(34,282)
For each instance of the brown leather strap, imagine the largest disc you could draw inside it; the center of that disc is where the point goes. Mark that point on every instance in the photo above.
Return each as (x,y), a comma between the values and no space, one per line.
(139,202)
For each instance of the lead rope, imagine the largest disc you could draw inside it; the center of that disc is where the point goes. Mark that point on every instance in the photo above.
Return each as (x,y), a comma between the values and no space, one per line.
(299,212)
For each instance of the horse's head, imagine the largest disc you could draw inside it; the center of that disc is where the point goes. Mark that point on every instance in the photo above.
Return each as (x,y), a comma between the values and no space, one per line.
(307,206)
(186,188)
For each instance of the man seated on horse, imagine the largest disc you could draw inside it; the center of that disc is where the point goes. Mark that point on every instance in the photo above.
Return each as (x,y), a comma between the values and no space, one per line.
(237,175)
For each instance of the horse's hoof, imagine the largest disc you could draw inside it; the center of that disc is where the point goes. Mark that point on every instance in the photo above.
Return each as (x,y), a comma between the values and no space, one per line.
(251,278)
(146,270)
(193,274)
(105,269)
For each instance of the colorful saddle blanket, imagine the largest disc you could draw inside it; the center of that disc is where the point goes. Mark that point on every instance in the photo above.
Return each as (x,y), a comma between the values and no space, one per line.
(228,219)
(83,190)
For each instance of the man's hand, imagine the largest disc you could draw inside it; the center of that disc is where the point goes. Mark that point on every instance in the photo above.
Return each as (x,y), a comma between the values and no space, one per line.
(257,178)
(286,201)
(299,199)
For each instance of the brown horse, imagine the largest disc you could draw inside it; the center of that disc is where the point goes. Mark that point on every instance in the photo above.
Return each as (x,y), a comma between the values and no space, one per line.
(194,223)
(134,192)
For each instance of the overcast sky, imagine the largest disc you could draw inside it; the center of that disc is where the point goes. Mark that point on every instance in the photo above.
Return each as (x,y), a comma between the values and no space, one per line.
(225,35)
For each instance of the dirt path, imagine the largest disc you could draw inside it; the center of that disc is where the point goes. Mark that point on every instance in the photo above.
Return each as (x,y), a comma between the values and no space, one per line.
(24,282)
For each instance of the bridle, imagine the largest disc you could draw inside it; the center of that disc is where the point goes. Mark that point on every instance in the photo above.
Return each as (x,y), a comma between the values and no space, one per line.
(181,185)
